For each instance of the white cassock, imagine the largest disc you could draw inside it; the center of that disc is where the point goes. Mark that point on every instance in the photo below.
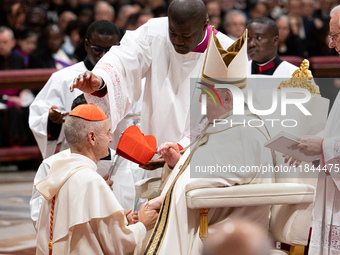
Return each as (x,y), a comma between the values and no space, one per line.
(284,70)
(147,52)
(122,178)
(57,92)
(239,146)
(326,218)
(86,220)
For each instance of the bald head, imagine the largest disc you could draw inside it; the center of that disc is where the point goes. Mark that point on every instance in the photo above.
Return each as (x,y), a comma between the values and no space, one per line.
(236,237)
(187,24)
(183,11)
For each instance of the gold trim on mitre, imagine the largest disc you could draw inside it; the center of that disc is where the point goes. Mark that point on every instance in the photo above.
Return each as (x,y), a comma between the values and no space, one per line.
(225,66)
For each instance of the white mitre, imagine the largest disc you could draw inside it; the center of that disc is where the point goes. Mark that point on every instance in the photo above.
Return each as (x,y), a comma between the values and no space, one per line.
(225,66)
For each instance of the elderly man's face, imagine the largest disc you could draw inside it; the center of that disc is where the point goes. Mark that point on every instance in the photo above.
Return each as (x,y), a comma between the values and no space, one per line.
(262,45)
(185,37)
(220,105)
(7,43)
(334,32)
(104,138)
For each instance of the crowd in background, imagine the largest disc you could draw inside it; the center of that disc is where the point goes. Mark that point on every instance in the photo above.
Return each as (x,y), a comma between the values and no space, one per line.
(58,27)
(50,34)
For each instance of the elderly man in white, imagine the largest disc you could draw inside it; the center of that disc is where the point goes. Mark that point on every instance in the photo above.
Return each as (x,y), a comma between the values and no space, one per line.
(219,144)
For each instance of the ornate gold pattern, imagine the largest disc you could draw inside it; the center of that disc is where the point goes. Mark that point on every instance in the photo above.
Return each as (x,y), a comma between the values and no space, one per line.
(301,78)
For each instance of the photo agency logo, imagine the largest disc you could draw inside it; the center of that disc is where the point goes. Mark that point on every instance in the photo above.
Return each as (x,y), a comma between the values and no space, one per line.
(280,102)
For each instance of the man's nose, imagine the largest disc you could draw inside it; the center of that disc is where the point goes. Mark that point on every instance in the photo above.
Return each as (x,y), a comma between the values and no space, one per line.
(331,45)
(179,40)
(251,42)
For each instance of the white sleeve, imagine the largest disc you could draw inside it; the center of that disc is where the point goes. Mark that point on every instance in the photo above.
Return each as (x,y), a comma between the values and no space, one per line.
(38,114)
(122,69)
(331,157)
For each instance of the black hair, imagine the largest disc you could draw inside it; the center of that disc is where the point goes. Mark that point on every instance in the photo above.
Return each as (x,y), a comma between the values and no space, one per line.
(270,23)
(102,27)
(182,11)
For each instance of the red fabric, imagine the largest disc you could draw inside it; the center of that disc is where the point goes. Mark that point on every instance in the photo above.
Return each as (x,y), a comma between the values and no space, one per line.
(88,112)
(100,93)
(136,147)
(266,67)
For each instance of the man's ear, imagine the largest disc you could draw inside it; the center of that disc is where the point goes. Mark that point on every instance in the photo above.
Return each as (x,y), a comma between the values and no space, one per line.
(206,23)
(91,136)
(276,40)
(86,45)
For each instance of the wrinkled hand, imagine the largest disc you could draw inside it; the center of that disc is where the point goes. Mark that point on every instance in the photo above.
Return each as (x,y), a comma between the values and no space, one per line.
(132,218)
(153,164)
(292,161)
(108,182)
(55,115)
(87,82)
(147,217)
(170,153)
(310,145)
(156,203)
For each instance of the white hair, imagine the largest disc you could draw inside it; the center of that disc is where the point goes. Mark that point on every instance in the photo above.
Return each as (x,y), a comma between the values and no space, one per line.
(77,129)
(10,31)
(335,10)
(231,13)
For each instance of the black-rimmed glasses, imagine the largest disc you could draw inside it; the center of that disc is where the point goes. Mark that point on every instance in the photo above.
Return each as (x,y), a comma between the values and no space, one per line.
(99,50)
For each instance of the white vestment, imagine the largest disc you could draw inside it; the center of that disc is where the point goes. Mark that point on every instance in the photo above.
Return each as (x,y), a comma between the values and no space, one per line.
(239,146)
(87,217)
(326,218)
(284,70)
(57,92)
(168,95)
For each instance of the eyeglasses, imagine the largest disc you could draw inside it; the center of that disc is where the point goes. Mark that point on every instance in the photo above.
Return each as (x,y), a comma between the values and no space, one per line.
(99,50)
(332,37)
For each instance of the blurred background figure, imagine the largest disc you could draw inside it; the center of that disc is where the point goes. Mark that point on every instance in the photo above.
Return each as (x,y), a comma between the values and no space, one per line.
(51,55)
(257,9)
(124,13)
(137,19)
(14,103)
(234,24)
(103,10)
(65,18)
(235,237)
(74,40)
(214,11)
(8,60)
(36,20)
(16,16)
(289,44)
(26,44)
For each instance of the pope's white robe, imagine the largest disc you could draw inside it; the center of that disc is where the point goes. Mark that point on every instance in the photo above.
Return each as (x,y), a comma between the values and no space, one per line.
(147,52)
(87,217)
(57,92)
(326,218)
(238,146)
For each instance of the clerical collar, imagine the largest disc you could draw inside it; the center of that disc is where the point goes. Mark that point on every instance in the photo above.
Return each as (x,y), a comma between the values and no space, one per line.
(88,64)
(202,46)
(266,68)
